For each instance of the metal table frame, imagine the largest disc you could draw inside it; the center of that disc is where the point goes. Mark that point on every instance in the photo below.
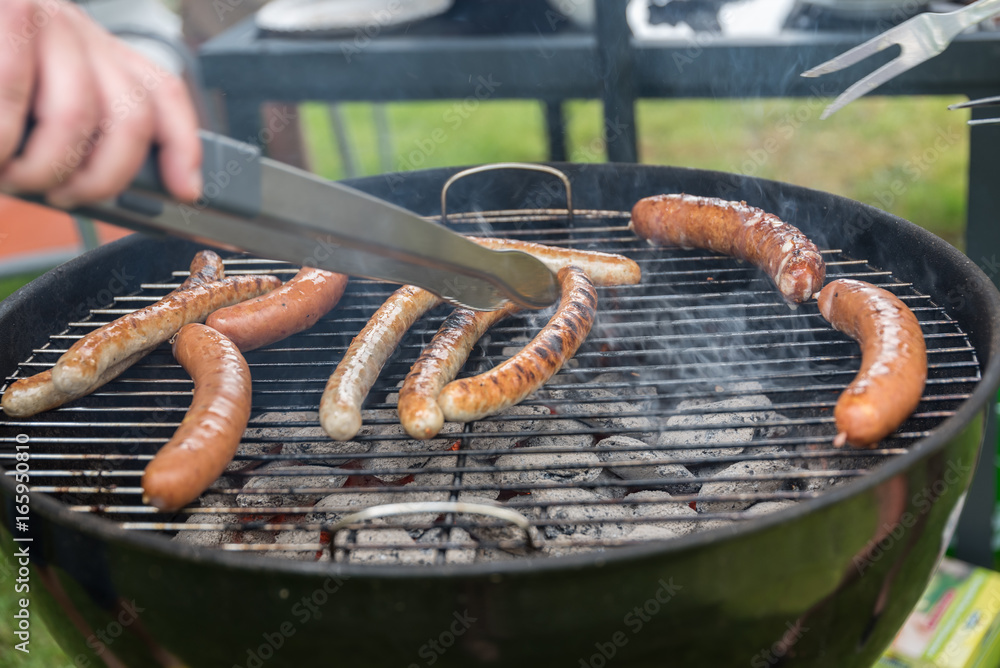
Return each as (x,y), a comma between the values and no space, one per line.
(618,69)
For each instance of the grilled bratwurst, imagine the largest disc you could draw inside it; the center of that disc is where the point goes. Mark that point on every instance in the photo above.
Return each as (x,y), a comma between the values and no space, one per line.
(603,269)
(210,432)
(340,407)
(294,307)
(438,364)
(511,381)
(786,255)
(90,358)
(893,371)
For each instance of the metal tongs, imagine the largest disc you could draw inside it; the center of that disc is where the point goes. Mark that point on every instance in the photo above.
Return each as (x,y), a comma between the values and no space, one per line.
(920,38)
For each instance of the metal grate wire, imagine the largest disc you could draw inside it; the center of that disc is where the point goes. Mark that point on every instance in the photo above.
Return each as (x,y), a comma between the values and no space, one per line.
(727,392)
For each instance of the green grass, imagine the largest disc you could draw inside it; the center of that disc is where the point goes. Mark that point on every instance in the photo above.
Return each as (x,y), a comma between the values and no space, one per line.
(862,152)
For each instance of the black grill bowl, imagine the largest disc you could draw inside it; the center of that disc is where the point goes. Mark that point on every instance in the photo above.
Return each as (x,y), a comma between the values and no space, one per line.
(824,584)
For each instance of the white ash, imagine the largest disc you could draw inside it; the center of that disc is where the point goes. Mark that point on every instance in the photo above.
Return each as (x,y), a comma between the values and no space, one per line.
(515,345)
(587,518)
(609,486)
(631,464)
(514,420)
(746,409)
(455,555)
(390,456)
(647,533)
(564,468)
(248,455)
(295,537)
(710,525)
(208,537)
(326,453)
(765,507)
(369,546)
(274,482)
(675,517)
(752,482)
(488,480)
(568,441)
(489,555)
(294,432)
(604,409)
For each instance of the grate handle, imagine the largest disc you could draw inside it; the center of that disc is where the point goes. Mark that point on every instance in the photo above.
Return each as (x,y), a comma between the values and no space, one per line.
(507,165)
(418,507)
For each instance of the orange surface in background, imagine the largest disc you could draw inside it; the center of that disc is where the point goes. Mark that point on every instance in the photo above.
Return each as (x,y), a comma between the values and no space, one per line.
(30,229)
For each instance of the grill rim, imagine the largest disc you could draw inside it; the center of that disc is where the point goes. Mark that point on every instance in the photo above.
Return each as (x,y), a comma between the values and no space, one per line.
(987,332)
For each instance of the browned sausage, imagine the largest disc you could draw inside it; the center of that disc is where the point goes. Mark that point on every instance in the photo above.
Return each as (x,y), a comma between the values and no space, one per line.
(88,360)
(893,371)
(604,269)
(438,365)
(786,255)
(206,267)
(511,381)
(37,394)
(210,432)
(295,306)
(340,407)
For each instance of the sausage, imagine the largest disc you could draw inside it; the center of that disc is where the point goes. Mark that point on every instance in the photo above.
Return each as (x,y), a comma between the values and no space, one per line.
(786,255)
(210,432)
(295,306)
(37,394)
(604,269)
(511,381)
(88,360)
(893,371)
(206,267)
(340,407)
(438,365)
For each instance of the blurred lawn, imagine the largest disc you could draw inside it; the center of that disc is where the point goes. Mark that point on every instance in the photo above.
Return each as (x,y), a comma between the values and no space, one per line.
(862,152)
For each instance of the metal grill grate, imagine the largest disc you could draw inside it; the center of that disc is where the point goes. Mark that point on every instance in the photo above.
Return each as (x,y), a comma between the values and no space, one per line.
(700,400)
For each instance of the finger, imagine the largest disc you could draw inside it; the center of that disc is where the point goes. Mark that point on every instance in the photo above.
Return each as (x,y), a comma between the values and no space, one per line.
(125,132)
(65,109)
(17,73)
(176,133)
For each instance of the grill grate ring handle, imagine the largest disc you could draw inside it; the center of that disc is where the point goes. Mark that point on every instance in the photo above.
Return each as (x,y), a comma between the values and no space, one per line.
(419,507)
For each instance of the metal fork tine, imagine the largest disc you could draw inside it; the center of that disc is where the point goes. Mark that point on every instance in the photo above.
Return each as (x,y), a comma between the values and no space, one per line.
(869,83)
(981,102)
(857,54)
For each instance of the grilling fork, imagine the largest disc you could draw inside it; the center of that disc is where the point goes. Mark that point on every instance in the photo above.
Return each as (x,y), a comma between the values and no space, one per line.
(920,38)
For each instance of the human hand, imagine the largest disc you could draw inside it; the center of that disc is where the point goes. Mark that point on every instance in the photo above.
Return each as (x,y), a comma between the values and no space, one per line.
(97,107)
